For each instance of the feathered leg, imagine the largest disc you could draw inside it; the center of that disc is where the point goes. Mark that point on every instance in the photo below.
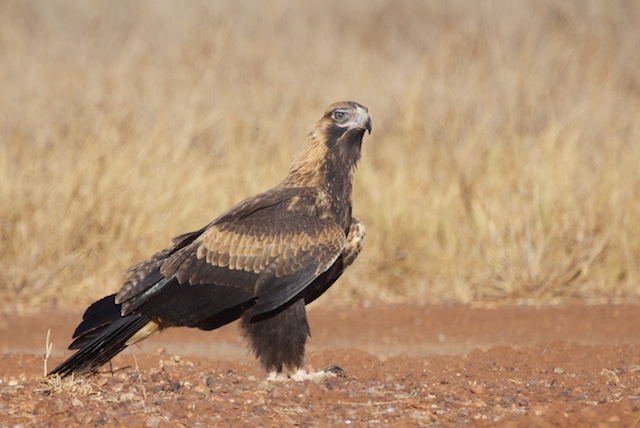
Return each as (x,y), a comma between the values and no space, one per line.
(278,338)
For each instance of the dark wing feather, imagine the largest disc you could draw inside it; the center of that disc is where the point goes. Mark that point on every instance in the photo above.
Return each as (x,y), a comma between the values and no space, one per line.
(101,335)
(99,347)
(257,254)
(189,306)
(263,200)
(97,315)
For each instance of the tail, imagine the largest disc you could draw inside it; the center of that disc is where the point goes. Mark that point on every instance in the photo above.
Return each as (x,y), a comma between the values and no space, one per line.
(102,334)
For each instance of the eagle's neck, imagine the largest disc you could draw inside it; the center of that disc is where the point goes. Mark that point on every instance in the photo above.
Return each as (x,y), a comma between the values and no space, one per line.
(328,164)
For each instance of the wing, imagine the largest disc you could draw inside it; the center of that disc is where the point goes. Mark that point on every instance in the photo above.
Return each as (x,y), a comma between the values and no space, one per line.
(354,244)
(259,254)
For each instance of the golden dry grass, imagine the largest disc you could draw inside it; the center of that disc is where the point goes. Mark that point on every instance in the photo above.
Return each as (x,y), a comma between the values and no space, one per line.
(504,159)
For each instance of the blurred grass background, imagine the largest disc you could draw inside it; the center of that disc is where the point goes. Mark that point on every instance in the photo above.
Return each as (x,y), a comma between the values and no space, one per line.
(504,160)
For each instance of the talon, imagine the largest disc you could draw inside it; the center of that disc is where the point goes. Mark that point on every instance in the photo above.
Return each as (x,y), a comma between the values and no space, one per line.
(335,370)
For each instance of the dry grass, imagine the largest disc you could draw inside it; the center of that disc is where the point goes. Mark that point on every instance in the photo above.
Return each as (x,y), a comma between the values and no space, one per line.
(504,162)
(71,386)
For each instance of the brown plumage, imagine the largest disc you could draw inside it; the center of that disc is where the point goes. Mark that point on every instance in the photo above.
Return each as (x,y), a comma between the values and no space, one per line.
(262,261)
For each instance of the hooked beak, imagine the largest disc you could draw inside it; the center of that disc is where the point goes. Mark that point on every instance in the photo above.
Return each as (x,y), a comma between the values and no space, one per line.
(364,121)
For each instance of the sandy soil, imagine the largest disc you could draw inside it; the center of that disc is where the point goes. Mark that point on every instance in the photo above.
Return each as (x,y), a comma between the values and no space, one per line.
(507,365)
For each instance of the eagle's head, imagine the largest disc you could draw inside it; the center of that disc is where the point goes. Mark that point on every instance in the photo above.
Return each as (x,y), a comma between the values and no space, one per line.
(340,130)
(345,118)
(333,147)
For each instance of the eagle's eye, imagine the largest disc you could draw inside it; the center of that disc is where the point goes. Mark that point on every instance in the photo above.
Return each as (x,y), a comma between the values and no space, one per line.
(339,115)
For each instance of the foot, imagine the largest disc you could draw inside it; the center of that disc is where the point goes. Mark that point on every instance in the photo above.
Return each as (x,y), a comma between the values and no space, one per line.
(276,377)
(302,375)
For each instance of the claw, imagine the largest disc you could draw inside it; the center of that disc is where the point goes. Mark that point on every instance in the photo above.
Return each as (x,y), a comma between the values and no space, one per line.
(335,370)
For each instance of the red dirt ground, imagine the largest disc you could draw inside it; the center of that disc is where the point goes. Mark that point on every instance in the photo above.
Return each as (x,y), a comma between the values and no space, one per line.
(506,365)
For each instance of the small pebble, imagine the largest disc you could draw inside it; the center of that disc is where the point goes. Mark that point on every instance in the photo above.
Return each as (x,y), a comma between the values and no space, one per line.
(416,414)
(200,388)
(539,410)
(264,386)
(476,389)
(153,422)
(210,381)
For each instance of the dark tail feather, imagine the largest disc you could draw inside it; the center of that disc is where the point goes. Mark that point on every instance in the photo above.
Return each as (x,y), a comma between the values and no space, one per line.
(101,335)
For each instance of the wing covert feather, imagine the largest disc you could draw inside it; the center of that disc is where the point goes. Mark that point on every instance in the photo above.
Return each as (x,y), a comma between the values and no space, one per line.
(269,253)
